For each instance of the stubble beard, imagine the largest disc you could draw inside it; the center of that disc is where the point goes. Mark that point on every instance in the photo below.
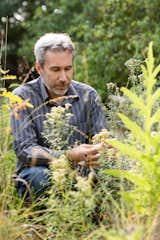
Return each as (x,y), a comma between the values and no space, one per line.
(53,92)
(58,93)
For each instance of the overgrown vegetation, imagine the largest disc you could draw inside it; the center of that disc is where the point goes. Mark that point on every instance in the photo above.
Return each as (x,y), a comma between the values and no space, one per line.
(106,33)
(121,200)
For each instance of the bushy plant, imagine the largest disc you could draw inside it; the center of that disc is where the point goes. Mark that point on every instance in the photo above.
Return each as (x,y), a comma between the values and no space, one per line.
(142,200)
(57,129)
(77,204)
(15,220)
(117,102)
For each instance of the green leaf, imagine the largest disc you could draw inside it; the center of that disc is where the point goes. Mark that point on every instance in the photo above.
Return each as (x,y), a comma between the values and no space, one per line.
(132,177)
(156,117)
(126,149)
(156,71)
(137,101)
(145,74)
(155,97)
(137,132)
(149,80)
(150,59)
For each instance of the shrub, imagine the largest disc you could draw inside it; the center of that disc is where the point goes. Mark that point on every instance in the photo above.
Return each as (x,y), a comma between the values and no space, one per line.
(142,200)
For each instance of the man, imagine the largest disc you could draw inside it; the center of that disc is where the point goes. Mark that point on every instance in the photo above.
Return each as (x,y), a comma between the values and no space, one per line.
(54,53)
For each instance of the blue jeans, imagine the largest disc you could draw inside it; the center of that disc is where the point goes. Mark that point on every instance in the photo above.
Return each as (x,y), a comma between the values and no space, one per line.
(37,178)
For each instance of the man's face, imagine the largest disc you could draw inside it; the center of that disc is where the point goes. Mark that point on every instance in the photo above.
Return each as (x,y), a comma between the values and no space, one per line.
(57,72)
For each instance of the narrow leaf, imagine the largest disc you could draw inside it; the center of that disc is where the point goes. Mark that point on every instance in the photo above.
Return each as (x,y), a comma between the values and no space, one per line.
(126,149)
(8,77)
(131,176)
(135,129)
(156,117)
(150,59)
(156,71)
(145,74)
(3,71)
(155,97)
(138,102)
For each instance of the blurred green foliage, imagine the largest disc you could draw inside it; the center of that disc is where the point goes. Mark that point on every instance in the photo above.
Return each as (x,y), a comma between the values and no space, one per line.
(106,32)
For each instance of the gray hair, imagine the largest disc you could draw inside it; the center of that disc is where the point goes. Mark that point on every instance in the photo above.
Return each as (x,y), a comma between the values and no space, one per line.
(52,42)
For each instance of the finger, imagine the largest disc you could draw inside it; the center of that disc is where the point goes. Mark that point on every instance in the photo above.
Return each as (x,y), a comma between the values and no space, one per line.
(99,146)
(92,160)
(91,151)
(91,157)
(86,146)
(93,164)
(94,157)
(96,148)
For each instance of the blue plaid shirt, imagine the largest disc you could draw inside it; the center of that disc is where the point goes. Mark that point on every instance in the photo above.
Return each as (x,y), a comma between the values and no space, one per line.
(27,129)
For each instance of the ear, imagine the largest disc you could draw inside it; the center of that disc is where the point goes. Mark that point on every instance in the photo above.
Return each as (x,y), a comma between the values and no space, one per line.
(38,68)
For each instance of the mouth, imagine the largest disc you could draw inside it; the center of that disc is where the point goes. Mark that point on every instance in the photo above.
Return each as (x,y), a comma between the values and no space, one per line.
(61,87)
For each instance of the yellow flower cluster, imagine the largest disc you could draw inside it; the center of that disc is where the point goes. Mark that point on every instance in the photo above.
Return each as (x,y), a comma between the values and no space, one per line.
(60,168)
(57,127)
(15,102)
(8,77)
(13,99)
(61,174)
(84,186)
(85,190)
(101,137)
(108,153)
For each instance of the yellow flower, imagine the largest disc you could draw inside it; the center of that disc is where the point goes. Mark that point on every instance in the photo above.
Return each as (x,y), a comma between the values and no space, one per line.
(8,77)
(101,137)
(67,106)
(15,99)
(84,186)
(60,163)
(59,175)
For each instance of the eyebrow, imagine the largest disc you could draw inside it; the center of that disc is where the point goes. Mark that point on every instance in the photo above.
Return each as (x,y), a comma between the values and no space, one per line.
(57,66)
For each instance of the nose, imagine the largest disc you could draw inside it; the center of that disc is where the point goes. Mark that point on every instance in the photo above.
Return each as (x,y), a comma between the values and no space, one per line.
(62,76)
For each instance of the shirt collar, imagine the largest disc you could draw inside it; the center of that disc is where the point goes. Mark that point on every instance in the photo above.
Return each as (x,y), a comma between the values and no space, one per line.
(71,95)
(44,93)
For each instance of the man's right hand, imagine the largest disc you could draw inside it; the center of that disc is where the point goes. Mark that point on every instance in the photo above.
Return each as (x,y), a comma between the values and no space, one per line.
(87,154)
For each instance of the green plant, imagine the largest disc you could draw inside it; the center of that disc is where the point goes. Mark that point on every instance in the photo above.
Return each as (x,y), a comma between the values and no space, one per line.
(143,150)
(77,205)
(14,219)
(117,102)
(106,33)
(58,126)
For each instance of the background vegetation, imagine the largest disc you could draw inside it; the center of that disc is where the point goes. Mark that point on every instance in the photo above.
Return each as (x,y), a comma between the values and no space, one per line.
(107,33)
(124,203)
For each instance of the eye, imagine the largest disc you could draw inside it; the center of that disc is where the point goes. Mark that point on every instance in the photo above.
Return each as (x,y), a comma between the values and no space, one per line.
(68,68)
(55,69)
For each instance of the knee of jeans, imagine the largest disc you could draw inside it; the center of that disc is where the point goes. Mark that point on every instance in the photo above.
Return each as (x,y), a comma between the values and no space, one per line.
(42,172)
(38,178)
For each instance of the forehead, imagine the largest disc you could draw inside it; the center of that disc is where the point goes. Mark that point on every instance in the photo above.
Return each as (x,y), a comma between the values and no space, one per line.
(58,58)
